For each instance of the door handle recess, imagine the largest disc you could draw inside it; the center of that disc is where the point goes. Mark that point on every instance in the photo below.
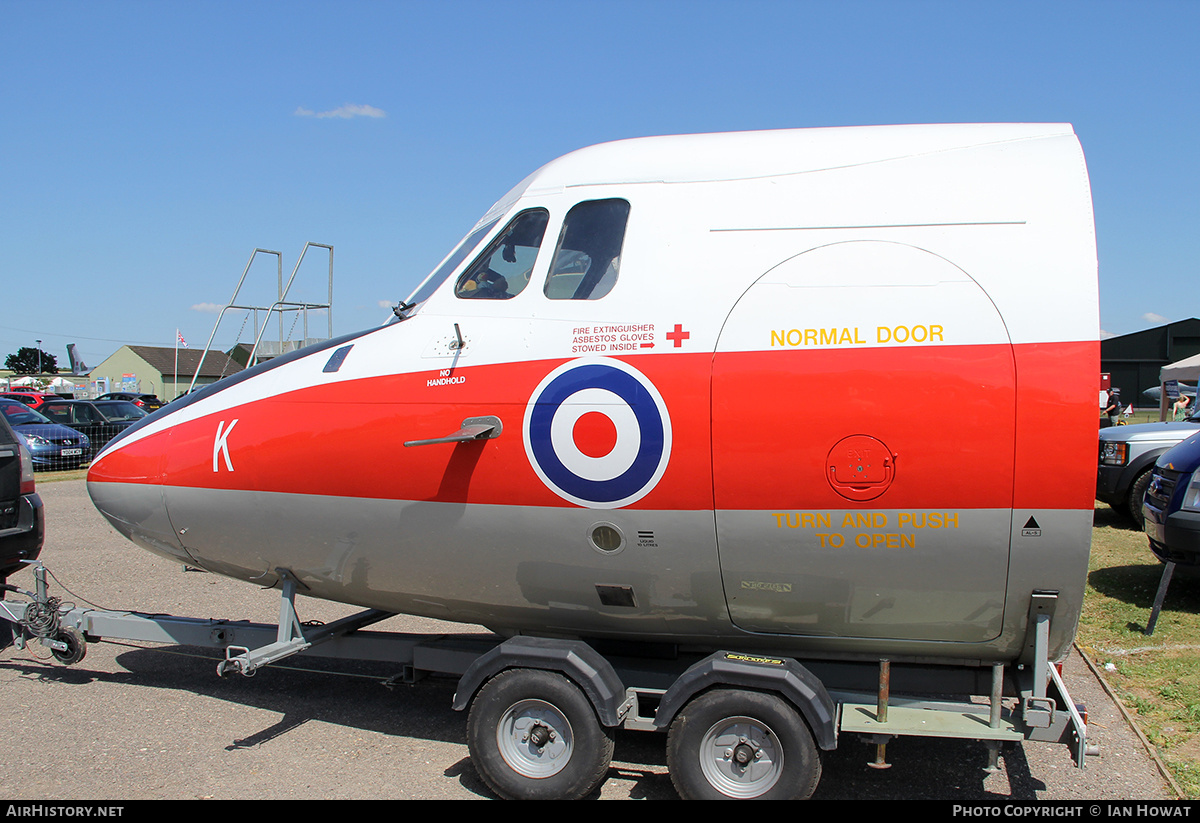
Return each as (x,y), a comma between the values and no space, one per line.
(473,428)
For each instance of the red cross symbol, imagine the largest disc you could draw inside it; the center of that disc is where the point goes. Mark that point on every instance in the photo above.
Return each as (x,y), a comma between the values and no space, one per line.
(679,335)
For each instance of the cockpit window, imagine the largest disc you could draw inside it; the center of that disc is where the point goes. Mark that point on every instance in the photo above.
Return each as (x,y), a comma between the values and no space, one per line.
(503,270)
(462,251)
(439,275)
(588,257)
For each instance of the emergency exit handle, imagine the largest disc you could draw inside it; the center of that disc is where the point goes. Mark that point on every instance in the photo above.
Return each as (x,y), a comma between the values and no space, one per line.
(473,428)
(861,467)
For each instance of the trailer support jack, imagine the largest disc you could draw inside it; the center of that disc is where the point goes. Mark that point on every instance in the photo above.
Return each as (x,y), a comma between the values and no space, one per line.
(881,714)
(291,638)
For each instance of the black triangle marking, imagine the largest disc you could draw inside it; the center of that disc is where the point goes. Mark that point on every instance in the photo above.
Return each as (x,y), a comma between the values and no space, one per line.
(1031,523)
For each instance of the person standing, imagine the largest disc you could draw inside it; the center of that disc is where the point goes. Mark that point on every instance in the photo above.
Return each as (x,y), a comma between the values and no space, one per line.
(1113,407)
(1181,407)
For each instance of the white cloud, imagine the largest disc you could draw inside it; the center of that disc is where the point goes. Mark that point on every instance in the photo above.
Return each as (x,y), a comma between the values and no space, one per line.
(1156,319)
(386,304)
(1104,335)
(208,308)
(342,112)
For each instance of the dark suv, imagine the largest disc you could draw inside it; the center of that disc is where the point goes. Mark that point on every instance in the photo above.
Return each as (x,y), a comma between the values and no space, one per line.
(22,521)
(100,420)
(1172,504)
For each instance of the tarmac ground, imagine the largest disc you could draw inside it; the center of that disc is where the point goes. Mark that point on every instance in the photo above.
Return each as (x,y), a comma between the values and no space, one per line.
(134,721)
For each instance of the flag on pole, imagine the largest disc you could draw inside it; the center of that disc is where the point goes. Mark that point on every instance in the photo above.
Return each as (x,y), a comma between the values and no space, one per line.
(178,340)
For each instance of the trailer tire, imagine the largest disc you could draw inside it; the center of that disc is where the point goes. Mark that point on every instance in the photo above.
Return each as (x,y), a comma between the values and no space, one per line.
(733,744)
(533,735)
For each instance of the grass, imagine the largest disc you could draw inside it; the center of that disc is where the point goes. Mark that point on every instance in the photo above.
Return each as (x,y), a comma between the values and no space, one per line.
(1145,416)
(1157,677)
(54,477)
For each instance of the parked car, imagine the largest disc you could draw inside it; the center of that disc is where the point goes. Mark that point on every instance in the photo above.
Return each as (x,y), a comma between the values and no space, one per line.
(119,411)
(187,393)
(22,520)
(149,402)
(101,420)
(51,445)
(1126,459)
(33,399)
(1171,507)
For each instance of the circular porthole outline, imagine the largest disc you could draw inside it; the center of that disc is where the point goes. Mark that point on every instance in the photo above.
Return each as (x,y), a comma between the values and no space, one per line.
(605,527)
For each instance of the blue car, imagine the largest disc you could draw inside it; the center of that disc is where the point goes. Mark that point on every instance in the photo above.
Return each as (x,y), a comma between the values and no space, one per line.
(1172,504)
(50,445)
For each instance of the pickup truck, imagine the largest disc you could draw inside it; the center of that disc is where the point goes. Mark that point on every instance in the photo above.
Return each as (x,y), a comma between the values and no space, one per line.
(1126,460)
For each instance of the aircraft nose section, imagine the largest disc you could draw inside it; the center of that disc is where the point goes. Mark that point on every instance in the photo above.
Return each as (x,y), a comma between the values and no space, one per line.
(125,483)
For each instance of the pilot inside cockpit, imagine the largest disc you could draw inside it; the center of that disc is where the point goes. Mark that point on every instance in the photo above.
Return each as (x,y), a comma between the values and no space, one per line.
(503,269)
(486,284)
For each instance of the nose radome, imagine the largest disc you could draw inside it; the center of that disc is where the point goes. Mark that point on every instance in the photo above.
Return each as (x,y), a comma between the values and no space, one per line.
(125,484)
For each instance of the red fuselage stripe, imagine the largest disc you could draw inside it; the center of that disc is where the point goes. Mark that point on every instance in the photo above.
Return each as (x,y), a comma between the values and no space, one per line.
(989,426)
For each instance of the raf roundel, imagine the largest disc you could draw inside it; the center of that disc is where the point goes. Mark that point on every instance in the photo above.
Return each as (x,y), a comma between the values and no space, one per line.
(597,433)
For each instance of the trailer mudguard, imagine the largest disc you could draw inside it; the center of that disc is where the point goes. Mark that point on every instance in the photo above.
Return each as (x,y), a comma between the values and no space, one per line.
(780,675)
(574,659)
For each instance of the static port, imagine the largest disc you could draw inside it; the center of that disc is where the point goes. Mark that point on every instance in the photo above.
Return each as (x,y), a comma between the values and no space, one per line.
(606,537)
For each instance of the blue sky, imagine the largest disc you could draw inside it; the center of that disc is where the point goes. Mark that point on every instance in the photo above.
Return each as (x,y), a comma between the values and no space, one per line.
(146,148)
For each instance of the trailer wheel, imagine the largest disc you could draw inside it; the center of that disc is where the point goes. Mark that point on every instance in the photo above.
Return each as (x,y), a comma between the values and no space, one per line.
(533,735)
(742,745)
(76,646)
